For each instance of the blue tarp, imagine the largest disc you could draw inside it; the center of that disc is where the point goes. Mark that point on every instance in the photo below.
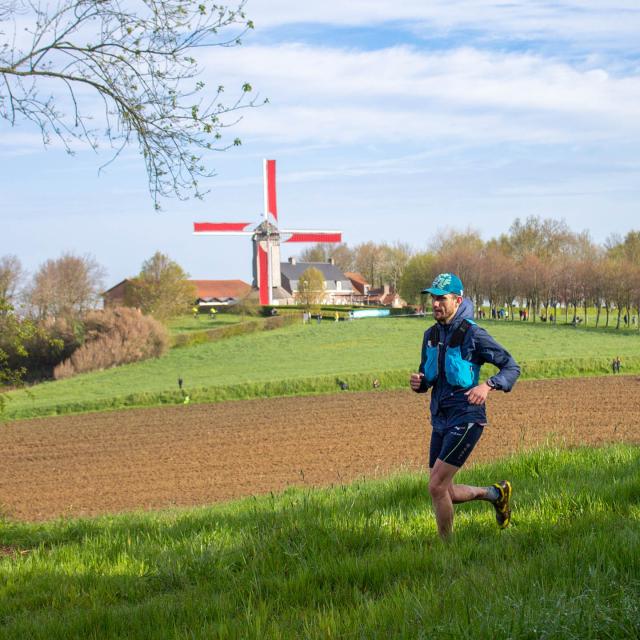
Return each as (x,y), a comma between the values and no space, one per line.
(371,313)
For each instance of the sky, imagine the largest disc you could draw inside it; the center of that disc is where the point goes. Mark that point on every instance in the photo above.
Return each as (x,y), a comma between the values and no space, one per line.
(391,122)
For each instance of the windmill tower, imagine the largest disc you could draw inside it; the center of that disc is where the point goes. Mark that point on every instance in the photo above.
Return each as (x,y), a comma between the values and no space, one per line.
(266,237)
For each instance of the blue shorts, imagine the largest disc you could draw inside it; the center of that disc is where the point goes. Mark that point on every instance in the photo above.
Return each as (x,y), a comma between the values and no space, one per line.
(454,445)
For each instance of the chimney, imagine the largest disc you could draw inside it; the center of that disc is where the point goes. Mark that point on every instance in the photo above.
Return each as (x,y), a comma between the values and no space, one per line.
(292,260)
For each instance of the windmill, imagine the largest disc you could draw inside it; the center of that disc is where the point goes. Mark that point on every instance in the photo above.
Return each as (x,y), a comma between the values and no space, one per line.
(266,237)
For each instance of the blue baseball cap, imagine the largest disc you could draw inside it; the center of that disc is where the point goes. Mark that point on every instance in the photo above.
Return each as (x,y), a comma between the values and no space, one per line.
(445,283)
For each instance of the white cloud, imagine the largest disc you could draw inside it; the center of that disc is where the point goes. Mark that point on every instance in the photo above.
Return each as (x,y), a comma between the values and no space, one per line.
(566,19)
(331,95)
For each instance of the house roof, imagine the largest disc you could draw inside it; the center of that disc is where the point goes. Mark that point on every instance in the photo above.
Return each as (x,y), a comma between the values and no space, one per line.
(329,271)
(355,277)
(115,286)
(221,288)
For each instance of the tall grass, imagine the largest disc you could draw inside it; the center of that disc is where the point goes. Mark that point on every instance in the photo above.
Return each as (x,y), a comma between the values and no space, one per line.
(357,561)
(302,359)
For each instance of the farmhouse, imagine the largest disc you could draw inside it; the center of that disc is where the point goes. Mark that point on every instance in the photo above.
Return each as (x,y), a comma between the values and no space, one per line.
(115,297)
(337,287)
(220,293)
(364,293)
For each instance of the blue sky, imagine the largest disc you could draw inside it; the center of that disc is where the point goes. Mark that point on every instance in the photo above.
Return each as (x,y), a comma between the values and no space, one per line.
(390,121)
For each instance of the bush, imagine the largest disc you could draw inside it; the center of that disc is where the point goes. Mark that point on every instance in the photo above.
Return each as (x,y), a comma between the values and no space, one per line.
(53,341)
(113,337)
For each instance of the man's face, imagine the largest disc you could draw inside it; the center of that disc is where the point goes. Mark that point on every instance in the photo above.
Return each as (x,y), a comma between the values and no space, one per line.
(445,307)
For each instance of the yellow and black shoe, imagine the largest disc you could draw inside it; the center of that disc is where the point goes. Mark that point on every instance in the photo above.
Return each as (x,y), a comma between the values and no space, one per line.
(501,505)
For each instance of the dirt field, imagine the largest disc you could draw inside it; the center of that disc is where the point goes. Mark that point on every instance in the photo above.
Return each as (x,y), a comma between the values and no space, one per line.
(193,455)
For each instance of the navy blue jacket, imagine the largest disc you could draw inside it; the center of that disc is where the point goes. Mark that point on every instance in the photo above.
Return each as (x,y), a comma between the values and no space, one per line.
(449,405)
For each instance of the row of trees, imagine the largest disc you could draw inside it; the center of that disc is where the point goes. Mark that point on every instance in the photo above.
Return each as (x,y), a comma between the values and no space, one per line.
(540,264)
(68,286)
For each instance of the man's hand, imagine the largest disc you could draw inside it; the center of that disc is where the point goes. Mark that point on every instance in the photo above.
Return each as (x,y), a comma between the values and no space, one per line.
(478,395)
(416,381)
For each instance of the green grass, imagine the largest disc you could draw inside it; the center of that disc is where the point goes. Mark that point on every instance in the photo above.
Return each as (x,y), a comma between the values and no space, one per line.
(202,322)
(304,359)
(357,561)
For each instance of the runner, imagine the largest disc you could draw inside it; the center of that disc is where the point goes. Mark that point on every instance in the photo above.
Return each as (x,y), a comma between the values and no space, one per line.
(453,350)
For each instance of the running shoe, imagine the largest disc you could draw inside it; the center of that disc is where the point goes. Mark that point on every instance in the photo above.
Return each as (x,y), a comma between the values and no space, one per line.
(501,505)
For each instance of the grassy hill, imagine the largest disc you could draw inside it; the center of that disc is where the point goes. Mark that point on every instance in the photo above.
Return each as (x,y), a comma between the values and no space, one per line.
(358,561)
(307,359)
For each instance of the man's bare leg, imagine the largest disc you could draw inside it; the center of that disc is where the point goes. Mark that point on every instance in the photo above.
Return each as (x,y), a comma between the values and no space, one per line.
(444,494)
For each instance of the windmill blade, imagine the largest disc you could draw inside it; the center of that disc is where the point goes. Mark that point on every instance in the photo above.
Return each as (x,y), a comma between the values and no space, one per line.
(305,235)
(220,228)
(270,204)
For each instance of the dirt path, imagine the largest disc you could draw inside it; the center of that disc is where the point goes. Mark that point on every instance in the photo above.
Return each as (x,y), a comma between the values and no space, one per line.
(193,455)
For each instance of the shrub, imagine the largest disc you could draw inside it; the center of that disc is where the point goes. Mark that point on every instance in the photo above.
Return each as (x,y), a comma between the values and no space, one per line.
(113,337)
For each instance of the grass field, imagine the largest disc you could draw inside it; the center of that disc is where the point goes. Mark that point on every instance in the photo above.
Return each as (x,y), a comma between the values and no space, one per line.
(307,359)
(202,322)
(358,561)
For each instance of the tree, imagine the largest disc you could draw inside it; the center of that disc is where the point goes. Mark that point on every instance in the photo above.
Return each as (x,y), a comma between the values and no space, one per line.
(395,259)
(342,256)
(11,276)
(543,238)
(319,252)
(496,275)
(161,289)
(461,253)
(138,59)
(627,248)
(368,260)
(323,251)
(67,286)
(13,335)
(418,274)
(310,291)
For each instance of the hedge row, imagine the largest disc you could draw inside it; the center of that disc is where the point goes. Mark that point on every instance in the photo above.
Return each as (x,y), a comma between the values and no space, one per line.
(231,330)
(397,379)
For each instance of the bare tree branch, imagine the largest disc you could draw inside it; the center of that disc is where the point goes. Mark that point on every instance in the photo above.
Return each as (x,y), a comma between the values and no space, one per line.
(137,56)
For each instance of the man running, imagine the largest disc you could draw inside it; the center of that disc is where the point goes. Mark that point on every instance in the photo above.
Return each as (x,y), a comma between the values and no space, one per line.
(453,350)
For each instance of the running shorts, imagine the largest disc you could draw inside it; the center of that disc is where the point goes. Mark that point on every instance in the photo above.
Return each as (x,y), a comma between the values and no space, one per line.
(454,445)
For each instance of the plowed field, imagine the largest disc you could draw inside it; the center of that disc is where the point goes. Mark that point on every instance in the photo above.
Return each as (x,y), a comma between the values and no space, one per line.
(193,455)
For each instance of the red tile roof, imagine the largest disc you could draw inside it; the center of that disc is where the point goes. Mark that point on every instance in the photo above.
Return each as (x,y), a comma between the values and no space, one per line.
(357,280)
(221,288)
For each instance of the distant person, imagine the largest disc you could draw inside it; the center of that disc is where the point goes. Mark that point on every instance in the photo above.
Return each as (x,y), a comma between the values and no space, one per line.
(615,365)
(319,318)
(453,351)
(337,316)
(213,313)
(194,311)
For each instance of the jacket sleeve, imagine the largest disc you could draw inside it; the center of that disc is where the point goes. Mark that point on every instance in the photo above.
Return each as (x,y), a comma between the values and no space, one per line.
(424,386)
(486,349)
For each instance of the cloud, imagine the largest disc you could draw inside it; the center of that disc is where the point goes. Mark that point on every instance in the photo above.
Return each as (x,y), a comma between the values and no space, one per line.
(568,20)
(333,96)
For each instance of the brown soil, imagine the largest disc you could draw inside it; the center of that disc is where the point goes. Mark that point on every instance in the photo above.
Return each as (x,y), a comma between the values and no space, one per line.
(193,455)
